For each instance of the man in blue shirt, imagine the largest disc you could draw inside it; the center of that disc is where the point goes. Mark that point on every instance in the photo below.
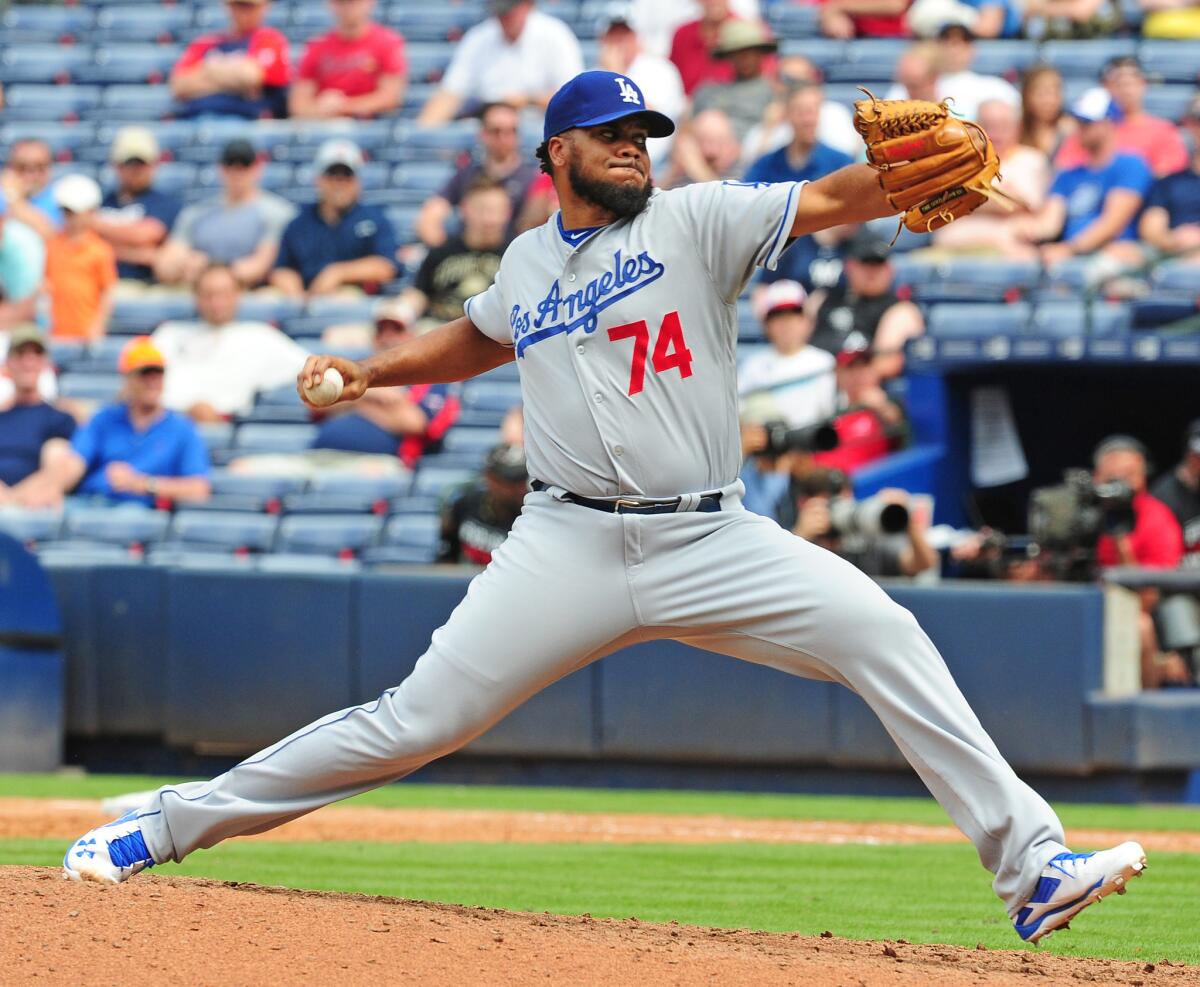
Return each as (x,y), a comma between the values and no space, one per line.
(134,450)
(803,159)
(1093,208)
(336,242)
(1170,222)
(135,217)
(28,422)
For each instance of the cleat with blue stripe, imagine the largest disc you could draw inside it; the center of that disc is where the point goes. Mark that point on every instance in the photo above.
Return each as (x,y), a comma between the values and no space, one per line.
(108,854)
(1072,881)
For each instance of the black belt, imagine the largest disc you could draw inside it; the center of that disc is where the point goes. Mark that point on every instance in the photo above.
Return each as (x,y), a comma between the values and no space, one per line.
(707,504)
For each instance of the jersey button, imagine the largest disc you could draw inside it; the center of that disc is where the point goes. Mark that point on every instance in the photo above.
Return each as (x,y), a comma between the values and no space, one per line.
(598,397)
(579,349)
(570,277)
(618,450)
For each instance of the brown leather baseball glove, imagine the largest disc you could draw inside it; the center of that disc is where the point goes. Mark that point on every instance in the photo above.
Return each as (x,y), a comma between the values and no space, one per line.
(933,167)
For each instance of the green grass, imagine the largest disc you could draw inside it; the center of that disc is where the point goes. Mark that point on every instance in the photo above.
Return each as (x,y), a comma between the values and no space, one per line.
(748,805)
(918,893)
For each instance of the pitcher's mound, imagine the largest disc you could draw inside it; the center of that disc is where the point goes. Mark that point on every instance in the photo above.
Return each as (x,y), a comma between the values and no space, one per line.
(159,928)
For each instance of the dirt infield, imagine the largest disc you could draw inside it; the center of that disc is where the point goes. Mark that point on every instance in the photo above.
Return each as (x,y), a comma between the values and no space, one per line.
(191,931)
(66,819)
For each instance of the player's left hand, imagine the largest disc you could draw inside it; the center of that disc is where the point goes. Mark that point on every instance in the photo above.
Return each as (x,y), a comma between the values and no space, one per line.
(933,167)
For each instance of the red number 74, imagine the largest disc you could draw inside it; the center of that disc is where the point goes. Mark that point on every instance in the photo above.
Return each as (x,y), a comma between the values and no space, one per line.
(670,350)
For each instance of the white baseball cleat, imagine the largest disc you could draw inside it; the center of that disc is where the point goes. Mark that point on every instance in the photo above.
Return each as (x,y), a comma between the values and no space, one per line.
(1072,881)
(108,854)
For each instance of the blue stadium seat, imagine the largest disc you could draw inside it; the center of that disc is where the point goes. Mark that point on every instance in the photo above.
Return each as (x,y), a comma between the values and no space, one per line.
(297,564)
(424,24)
(416,96)
(749,327)
(328,534)
(822,52)
(125,524)
(374,487)
(241,530)
(57,554)
(971,321)
(131,63)
(1007,58)
(136,103)
(1074,318)
(972,279)
(263,487)
(1177,276)
(424,178)
(216,435)
(793,20)
(871,60)
(414,530)
(460,439)
(42,63)
(1171,61)
(491,395)
(134,316)
(274,438)
(438,482)
(336,309)
(403,220)
(415,504)
(384,555)
(283,396)
(121,24)
(267,308)
(42,103)
(470,460)
(507,372)
(310,19)
(1085,59)
(443,143)
(35,23)
(30,526)
(64,139)
(90,387)
(1162,308)
(306,327)
(1169,102)
(172,136)
(427,62)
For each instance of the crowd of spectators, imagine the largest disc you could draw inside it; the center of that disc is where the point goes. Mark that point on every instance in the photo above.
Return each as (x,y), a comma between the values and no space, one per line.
(1093,174)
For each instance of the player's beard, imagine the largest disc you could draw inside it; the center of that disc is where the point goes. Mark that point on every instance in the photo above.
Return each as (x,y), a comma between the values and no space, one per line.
(623,201)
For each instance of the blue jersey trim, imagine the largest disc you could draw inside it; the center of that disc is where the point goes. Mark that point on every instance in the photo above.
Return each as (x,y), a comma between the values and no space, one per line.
(783,223)
(573,238)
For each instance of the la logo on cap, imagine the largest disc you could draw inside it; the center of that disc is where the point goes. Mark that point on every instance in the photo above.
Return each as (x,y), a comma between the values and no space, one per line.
(628,93)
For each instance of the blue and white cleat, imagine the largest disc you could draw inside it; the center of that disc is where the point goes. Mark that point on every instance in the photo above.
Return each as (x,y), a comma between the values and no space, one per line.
(1071,882)
(108,854)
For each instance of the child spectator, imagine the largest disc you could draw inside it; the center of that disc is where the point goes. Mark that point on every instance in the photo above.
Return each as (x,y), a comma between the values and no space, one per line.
(81,267)
(356,70)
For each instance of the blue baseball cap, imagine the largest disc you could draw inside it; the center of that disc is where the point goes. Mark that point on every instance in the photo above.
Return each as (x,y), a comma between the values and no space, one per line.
(596,97)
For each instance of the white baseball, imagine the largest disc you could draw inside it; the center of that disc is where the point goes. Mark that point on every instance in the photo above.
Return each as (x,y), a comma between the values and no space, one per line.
(328,391)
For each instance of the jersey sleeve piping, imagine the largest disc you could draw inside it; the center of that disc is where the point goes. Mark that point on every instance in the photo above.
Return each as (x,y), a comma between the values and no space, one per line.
(779,242)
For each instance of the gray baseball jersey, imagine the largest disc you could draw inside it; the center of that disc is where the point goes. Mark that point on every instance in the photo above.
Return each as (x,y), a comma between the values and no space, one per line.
(626,336)
(625,339)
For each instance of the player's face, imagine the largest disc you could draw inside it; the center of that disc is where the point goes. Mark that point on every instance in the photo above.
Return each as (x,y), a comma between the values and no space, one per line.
(217,297)
(608,165)
(1124,465)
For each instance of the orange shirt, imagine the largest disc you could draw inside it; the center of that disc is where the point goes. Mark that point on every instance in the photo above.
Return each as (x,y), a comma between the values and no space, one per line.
(79,270)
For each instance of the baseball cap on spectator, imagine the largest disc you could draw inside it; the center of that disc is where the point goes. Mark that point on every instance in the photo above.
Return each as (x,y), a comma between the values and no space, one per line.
(867,248)
(338,152)
(393,310)
(1193,437)
(140,353)
(781,296)
(596,97)
(239,152)
(134,144)
(26,334)
(77,193)
(958,21)
(507,462)
(739,35)
(617,12)
(1095,105)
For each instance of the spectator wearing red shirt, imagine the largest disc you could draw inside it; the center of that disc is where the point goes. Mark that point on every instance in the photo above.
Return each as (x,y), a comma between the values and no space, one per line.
(356,70)
(693,46)
(864,18)
(1156,541)
(1155,140)
(242,72)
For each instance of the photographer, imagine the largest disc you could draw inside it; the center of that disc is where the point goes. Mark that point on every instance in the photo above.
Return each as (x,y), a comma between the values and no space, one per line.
(1180,491)
(883,535)
(1154,540)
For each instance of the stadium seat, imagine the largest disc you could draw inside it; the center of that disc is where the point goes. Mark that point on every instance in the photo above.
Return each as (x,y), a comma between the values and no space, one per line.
(971,279)
(30,23)
(444,143)
(130,63)
(480,440)
(31,526)
(1084,59)
(428,24)
(413,530)
(336,309)
(136,316)
(384,555)
(124,524)
(273,438)
(172,136)
(1007,58)
(58,554)
(822,52)
(491,395)
(216,435)
(135,103)
(438,482)
(121,24)
(42,63)
(90,387)
(792,21)
(470,460)
(264,487)
(375,487)
(1169,102)
(1177,276)
(1162,308)
(415,504)
(979,320)
(871,60)
(1074,318)
(1171,61)
(240,530)
(425,177)
(40,103)
(328,534)
(299,564)
(64,139)
(427,61)
(306,327)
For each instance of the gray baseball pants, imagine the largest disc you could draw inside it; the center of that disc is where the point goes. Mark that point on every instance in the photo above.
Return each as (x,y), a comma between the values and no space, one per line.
(571,585)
